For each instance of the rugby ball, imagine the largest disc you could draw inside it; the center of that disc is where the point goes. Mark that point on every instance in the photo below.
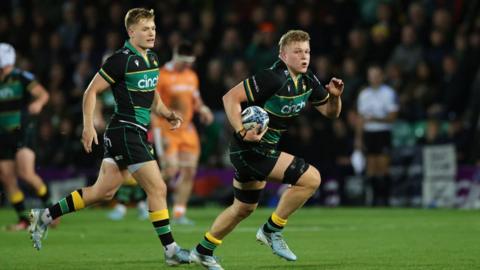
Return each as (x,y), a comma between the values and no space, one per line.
(253,116)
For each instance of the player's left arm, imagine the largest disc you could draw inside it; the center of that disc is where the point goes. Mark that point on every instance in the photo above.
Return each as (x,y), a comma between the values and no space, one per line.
(40,98)
(159,108)
(37,92)
(332,107)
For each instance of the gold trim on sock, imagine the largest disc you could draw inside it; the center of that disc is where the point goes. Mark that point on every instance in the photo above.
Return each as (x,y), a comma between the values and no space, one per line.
(158,215)
(278,220)
(42,191)
(213,239)
(78,202)
(16,197)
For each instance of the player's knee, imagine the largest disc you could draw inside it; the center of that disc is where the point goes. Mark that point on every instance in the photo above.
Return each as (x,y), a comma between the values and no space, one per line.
(108,195)
(243,210)
(189,173)
(170,172)
(296,170)
(311,179)
(157,189)
(25,174)
(7,177)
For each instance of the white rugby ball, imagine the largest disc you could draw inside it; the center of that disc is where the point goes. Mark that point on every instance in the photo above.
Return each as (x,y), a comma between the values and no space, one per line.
(253,116)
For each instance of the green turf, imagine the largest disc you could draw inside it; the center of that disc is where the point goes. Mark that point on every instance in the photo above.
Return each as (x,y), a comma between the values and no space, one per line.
(321,238)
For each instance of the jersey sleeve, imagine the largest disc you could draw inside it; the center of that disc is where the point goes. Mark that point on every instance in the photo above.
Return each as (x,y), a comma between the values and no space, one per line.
(113,69)
(28,80)
(319,94)
(261,86)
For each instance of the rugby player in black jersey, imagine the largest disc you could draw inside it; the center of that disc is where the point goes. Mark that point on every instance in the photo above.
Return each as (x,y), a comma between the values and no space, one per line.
(283,90)
(22,97)
(132,74)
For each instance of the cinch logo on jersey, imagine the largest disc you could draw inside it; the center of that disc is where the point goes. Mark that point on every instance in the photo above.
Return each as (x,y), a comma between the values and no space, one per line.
(6,93)
(147,82)
(293,108)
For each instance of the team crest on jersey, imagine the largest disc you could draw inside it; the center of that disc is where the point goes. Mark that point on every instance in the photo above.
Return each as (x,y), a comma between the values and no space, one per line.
(136,62)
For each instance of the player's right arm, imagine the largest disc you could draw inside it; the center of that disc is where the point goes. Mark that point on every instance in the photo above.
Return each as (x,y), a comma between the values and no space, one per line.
(89,135)
(232,103)
(254,90)
(112,71)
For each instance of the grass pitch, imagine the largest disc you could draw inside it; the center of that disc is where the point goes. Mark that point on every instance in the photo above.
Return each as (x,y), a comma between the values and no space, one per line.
(321,238)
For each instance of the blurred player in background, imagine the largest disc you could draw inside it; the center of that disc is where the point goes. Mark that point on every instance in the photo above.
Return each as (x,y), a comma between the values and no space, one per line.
(132,74)
(178,87)
(283,91)
(21,99)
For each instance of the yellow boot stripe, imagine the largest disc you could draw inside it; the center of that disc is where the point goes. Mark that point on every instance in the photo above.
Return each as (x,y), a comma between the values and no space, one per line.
(78,202)
(42,191)
(212,239)
(159,215)
(16,197)
(278,220)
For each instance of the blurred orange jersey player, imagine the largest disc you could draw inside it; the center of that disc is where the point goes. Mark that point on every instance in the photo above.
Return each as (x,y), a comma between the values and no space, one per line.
(178,87)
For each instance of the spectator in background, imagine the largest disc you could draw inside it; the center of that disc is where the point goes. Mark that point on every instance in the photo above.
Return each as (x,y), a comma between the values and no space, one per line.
(56,53)
(70,27)
(417,18)
(357,47)
(19,33)
(394,77)
(418,95)
(112,43)
(408,53)
(377,108)
(380,47)
(323,68)
(262,51)
(436,51)
(91,24)
(214,86)
(280,19)
(230,47)
(433,133)
(453,88)
(353,81)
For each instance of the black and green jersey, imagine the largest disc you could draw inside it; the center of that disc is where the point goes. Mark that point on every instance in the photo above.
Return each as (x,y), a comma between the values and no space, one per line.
(282,96)
(133,80)
(14,95)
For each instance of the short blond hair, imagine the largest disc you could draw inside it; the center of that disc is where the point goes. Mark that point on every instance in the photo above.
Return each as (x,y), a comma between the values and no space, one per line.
(134,15)
(293,36)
